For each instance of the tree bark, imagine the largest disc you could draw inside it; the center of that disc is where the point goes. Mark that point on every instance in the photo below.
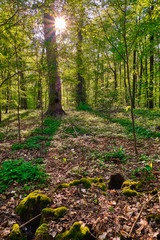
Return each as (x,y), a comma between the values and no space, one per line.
(150,95)
(81,98)
(54,85)
(134,77)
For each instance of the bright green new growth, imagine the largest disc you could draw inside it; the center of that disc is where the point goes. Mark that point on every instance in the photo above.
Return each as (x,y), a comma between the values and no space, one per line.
(16,233)
(52,214)
(76,232)
(87,183)
(42,232)
(32,205)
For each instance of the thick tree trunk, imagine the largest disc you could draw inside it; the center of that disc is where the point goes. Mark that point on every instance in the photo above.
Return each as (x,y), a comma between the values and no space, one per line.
(54,105)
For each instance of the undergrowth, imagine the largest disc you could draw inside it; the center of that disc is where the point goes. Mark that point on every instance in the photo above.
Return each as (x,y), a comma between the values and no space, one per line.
(12,171)
(106,156)
(51,125)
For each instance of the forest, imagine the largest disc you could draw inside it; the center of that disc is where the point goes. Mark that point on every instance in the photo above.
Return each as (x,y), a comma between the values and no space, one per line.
(80,120)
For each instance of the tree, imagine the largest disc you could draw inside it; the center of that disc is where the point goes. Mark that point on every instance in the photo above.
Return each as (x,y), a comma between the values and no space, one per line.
(54,83)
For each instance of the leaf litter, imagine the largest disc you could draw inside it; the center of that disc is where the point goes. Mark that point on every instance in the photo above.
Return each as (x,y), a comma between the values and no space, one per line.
(74,155)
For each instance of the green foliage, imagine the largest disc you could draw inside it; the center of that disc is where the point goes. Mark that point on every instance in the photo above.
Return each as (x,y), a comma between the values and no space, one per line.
(51,125)
(77,130)
(31,143)
(147,113)
(106,156)
(22,172)
(145,173)
(84,107)
(2,136)
(145,133)
(106,98)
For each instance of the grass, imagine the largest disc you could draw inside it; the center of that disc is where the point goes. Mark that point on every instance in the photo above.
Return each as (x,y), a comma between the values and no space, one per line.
(12,171)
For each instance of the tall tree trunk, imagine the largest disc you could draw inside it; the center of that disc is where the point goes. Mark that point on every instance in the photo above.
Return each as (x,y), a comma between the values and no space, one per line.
(125,85)
(150,103)
(23,95)
(134,78)
(54,105)
(146,81)
(140,80)
(115,76)
(80,98)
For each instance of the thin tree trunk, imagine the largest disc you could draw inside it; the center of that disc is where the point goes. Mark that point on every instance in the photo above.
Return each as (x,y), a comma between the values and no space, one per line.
(150,103)
(125,85)
(140,80)
(146,81)
(81,98)
(134,78)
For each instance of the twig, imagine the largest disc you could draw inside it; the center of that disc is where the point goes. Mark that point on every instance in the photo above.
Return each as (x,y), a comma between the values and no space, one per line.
(129,235)
(75,130)
(24,224)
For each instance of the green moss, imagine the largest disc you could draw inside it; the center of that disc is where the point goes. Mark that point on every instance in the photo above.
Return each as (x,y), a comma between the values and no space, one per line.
(130,193)
(155,217)
(87,183)
(16,233)
(132,185)
(76,232)
(32,205)
(42,233)
(102,186)
(63,185)
(152,192)
(52,214)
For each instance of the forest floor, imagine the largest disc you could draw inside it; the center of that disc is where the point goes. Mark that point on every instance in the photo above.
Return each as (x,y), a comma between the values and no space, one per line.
(87,145)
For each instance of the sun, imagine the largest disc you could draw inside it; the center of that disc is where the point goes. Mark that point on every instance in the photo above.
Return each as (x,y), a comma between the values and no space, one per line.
(60,23)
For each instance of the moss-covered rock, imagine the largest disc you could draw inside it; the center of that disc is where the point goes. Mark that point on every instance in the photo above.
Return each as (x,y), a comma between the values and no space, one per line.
(32,205)
(154,217)
(132,184)
(16,233)
(87,183)
(42,233)
(76,232)
(102,186)
(130,193)
(49,214)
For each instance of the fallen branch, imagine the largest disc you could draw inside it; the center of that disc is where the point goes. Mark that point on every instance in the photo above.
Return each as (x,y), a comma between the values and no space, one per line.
(129,235)
(24,224)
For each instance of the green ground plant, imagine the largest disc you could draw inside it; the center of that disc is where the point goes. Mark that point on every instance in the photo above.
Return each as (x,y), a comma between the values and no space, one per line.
(117,153)
(12,171)
(34,142)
